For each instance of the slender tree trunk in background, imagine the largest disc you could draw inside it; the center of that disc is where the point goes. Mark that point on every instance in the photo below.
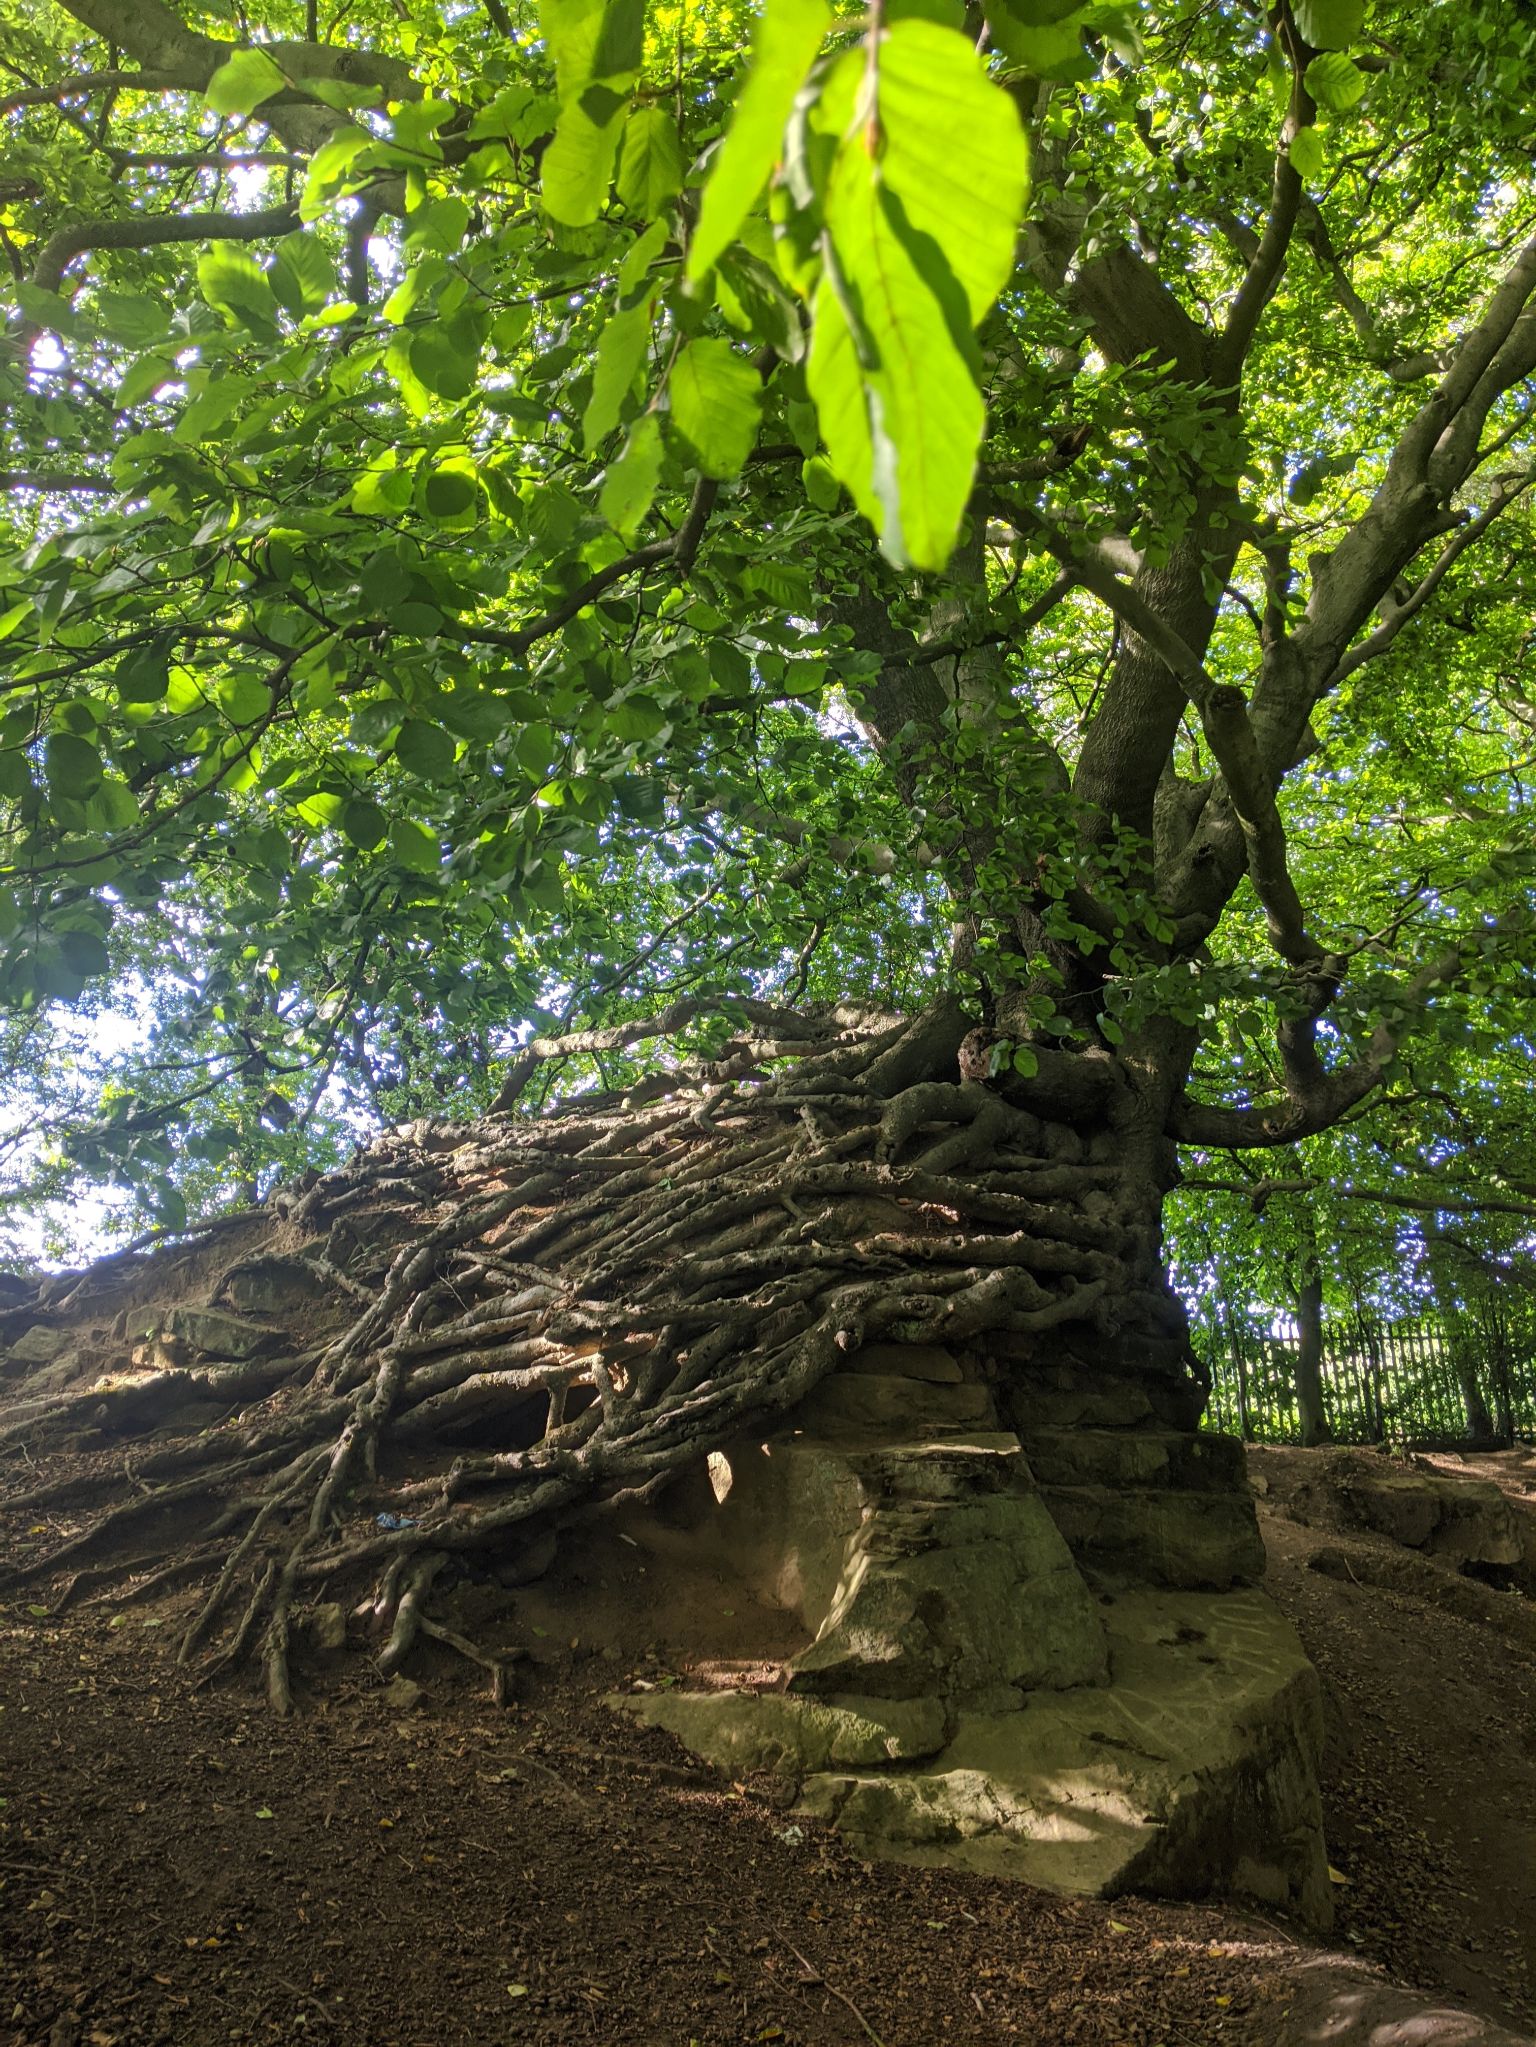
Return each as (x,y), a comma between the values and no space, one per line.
(1240,1362)
(1309,1349)
(1494,1331)
(1458,1334)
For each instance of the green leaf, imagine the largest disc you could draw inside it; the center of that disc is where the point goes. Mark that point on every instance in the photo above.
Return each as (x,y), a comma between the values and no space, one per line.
(230,278)
(716,405)
(821,485)
(621,348)
(302,276)
(84,953)
(133,318)
(241,84)
(450,493)
(578,164)
(785,44)
(953,152)
(650,161)
(243,698)
(332,168)
(1329,24)
(592,39)
(439,226)
(364,823)
(1049,49)
(114,808)
(414,846)
(427,750)
(1041,13)
(1309,158)
(922,241)
(753,300)
(446,358)
(629,486)
(72,765)
(597,46)
(950,12)
(144,674)
(1335,81)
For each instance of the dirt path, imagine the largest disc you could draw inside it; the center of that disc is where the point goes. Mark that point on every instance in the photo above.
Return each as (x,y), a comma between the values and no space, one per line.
(1430,1771)
(178,1868)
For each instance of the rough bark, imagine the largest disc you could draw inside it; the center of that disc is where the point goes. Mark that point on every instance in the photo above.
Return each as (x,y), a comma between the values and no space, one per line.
(539,1317)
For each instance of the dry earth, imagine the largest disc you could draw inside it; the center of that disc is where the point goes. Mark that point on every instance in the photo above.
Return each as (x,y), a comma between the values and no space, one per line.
(177,1867)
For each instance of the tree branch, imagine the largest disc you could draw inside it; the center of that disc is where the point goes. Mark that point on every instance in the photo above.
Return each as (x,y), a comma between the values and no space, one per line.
(85,83)
(664,1024)
(1268,261)
(680,550)
(1224,721)
(145,231)
(1331,1095)
(1259,1191)
(1506,490)
(53,479)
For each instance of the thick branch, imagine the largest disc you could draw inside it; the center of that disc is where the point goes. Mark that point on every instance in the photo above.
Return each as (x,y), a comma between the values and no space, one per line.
(1434,457)
(1505,491)
(87,83)
(145,231)
(1224,721)
(665,1023)
(1331,1095)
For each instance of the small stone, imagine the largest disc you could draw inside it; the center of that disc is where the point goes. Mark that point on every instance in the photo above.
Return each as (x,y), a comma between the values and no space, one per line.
(404,1695)
(328,1628)
(38,1345)
(528,1562)
(217,1334)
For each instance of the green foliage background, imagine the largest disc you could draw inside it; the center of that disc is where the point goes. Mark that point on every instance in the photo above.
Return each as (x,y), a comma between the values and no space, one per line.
(446,457)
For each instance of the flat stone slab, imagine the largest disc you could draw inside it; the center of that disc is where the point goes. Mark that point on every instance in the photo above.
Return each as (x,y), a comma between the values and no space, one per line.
(1193,1771)
(38,1345)
(218,1334)
(1463,1520)
(791,1736)
(1171,1536)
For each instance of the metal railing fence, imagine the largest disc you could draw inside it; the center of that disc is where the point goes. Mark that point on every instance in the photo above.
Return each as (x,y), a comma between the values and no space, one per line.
(1398,1380)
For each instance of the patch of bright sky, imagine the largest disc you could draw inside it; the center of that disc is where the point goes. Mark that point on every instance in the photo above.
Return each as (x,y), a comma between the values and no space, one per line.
(89,1220)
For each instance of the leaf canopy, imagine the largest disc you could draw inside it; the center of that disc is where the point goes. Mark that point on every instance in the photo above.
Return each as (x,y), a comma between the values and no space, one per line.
(513,518)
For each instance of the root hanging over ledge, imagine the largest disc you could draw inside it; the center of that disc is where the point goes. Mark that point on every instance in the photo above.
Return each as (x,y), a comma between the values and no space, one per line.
(520,1320)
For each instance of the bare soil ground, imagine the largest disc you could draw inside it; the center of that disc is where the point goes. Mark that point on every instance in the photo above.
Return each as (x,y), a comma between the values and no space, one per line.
(1430,1770)
(177,1867)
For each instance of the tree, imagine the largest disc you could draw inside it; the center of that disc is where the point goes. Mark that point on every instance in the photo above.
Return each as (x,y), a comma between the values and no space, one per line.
(913,563)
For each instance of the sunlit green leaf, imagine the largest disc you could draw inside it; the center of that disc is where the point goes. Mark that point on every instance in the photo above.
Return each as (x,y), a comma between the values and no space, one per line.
(716,405)
(243,83)
(788,36)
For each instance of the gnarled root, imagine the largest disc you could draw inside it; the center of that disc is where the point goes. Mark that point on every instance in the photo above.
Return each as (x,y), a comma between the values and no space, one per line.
(601,1298)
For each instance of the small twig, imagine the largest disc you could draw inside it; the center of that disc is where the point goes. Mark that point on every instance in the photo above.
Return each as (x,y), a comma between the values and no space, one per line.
(524,1760)
(814,1975)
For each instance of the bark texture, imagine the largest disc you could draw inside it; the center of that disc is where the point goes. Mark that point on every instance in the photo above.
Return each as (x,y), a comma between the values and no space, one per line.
(524,1318)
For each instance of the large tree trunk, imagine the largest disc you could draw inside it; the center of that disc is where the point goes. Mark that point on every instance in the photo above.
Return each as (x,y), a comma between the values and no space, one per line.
(943,1311)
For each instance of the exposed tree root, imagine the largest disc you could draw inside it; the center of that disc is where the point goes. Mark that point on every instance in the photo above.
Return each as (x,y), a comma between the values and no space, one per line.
(557,1313)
